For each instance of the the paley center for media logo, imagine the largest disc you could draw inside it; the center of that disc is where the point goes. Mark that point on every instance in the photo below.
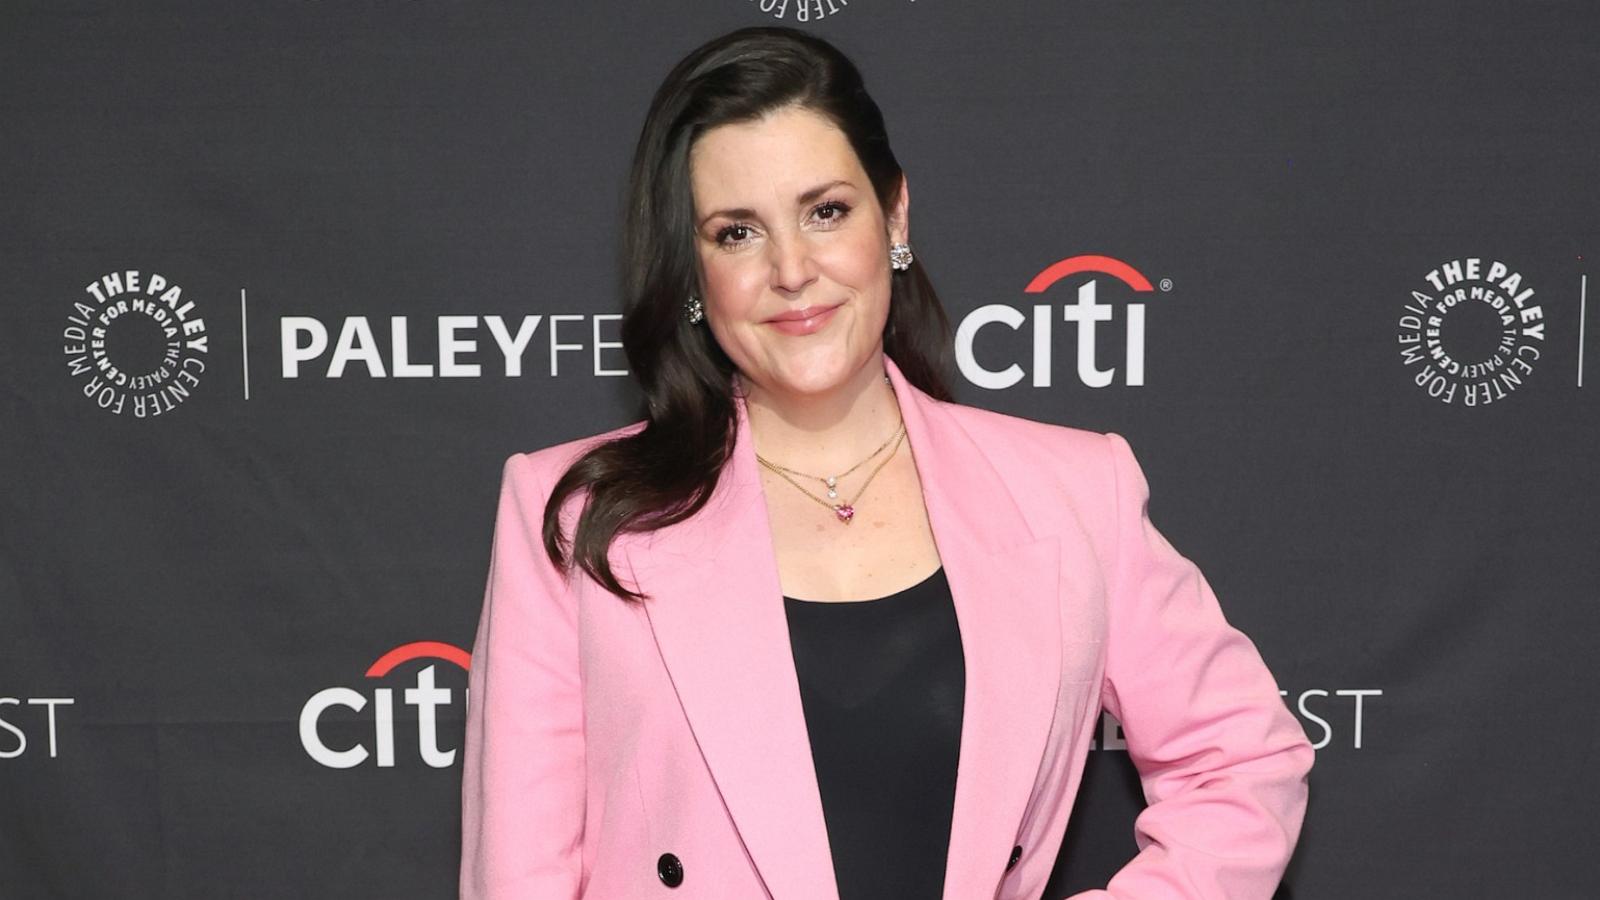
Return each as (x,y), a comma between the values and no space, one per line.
(135,343)
(800,10)
(1105,309)
(1471,333)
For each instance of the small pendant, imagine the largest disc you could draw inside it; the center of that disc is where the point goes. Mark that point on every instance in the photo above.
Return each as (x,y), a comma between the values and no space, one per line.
(845,512)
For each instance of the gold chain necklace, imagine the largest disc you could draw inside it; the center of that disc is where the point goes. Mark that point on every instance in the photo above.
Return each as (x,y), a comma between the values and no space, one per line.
(845,511)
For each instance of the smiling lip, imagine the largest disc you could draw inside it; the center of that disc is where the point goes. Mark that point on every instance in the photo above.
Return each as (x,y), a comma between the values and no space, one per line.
(803,321)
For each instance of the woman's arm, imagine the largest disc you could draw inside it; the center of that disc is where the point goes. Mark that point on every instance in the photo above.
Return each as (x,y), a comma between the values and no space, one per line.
(522,790)
(1222,760)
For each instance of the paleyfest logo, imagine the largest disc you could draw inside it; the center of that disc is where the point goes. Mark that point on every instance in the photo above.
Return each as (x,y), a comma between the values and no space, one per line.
(802,10)
(135,344)
(1474,335)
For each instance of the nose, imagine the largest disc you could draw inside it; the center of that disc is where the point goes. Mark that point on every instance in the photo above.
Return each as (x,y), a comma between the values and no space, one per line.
(792,265)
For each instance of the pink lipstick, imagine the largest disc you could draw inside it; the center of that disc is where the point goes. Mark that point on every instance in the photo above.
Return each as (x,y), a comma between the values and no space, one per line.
(803,321)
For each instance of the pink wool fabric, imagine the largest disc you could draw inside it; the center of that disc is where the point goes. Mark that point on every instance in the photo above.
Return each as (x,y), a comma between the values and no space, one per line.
(602,735)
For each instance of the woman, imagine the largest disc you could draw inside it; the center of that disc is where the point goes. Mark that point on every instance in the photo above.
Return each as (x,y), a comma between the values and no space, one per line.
(737,649)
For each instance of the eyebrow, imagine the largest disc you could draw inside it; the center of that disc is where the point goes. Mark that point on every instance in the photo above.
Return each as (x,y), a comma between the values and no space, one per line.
(804,198)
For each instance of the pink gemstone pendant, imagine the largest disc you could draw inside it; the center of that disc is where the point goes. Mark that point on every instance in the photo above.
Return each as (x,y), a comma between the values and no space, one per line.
(845,512)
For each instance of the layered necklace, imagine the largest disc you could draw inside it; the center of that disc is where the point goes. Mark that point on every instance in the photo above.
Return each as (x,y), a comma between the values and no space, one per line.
(844,510)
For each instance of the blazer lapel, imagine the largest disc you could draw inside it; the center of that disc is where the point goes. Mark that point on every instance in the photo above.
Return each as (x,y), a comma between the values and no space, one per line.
(717,613)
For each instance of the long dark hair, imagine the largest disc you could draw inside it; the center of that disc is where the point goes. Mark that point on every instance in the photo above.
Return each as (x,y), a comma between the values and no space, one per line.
(666,471)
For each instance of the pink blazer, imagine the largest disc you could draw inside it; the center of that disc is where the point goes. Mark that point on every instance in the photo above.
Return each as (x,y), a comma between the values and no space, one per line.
(622,751)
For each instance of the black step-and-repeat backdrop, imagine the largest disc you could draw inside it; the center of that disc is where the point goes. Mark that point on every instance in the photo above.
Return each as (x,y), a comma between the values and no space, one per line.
(286,283)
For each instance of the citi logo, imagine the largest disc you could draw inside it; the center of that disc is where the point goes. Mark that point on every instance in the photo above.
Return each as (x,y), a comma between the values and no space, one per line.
(1086,312)
(426,696)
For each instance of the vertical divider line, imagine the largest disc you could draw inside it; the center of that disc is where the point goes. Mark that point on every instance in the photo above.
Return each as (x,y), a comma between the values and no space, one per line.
(1583,309)
(244,342)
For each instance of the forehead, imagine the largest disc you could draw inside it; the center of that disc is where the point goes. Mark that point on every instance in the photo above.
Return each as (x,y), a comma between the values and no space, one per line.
(769,160)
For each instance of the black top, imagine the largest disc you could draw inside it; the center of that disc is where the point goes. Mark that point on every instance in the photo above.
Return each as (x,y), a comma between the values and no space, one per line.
(882,682)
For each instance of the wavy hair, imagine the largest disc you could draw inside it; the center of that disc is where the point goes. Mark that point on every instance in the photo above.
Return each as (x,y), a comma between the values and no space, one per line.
(667,471)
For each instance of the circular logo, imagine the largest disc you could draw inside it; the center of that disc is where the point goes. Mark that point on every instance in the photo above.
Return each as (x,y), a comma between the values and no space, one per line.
(135,345)
(1474,336)
(801,10)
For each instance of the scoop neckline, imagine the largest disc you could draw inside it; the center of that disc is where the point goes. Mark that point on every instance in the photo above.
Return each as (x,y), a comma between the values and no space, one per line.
(905,590)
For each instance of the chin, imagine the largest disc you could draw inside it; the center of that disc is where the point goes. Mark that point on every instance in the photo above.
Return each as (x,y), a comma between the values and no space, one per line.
(811,383)
(823,377)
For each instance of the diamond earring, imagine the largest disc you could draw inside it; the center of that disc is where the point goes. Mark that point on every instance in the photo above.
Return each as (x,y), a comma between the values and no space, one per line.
(900,257)
(694,310)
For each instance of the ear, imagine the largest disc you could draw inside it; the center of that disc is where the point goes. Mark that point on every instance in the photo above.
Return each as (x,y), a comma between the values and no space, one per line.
(897,216)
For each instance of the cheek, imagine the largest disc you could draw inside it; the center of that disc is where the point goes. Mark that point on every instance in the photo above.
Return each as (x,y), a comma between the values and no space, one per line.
(861,264)
(732,288)
(866,277)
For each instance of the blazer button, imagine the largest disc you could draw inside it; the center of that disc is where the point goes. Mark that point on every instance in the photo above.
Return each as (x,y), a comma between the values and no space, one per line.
(670,870)
(1016,854)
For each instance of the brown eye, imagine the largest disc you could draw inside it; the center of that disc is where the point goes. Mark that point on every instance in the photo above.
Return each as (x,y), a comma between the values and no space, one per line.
(725,233)
(839,209)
